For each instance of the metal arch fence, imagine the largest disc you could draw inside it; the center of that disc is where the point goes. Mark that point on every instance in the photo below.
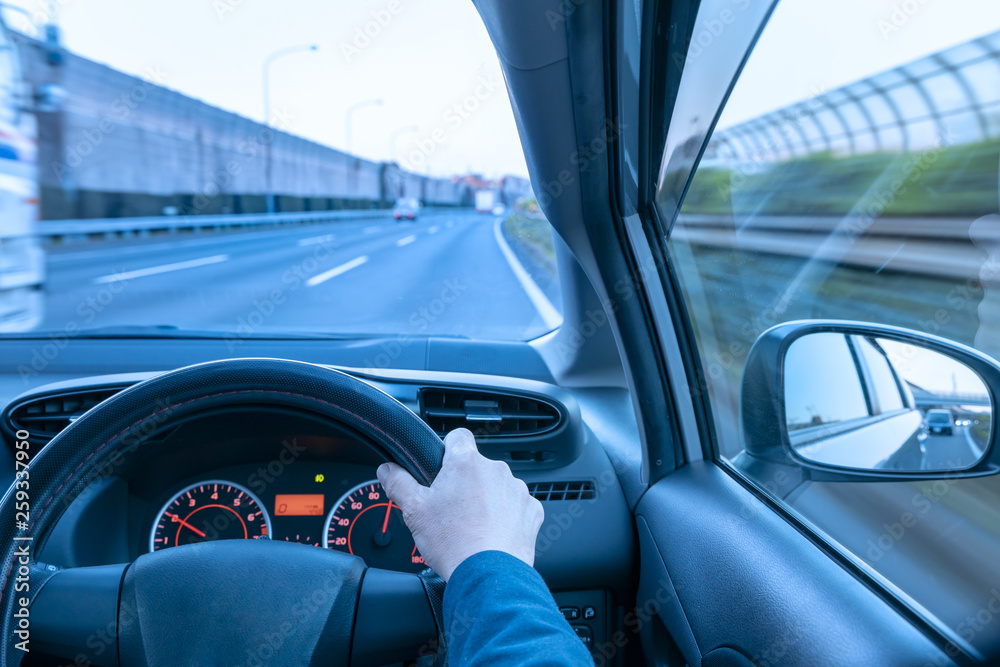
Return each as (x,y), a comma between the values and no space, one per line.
(952,97)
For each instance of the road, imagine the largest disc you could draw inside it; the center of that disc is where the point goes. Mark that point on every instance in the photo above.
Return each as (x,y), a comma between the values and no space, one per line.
(948,452)
(447,273)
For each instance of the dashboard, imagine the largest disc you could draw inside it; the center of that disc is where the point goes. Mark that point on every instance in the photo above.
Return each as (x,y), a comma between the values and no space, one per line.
(262,472)
(268,473)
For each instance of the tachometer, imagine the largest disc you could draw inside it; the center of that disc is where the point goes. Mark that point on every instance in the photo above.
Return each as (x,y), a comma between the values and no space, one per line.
(364,522)
(208,511)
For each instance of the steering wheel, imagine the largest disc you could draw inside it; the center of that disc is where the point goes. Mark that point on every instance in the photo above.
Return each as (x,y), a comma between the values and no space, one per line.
(224,602)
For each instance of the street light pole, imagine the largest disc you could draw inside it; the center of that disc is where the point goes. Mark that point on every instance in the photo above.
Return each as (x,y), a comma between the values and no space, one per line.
(266,68)
(394,138)
(349,119)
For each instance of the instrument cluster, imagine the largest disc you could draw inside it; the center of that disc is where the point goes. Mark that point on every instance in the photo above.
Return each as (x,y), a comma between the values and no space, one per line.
(323,504)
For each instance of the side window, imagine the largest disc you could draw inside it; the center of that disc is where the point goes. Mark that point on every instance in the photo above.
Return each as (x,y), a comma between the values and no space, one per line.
(885,391)
(853,175)
(840,397)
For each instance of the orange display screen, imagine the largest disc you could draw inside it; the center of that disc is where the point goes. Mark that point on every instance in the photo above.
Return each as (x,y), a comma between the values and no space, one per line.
(298,504)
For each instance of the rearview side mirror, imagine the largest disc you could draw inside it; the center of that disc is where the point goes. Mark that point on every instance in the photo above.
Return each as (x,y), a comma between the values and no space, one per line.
(852,401)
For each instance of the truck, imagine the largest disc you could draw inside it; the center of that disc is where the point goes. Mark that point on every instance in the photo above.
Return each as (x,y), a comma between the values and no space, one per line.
(22,260)
(485,201)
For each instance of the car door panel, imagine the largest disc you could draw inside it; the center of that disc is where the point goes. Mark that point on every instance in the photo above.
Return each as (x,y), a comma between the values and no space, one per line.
(733,582)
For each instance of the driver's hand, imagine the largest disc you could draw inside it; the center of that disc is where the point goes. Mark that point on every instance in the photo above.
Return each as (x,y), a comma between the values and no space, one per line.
(474,505)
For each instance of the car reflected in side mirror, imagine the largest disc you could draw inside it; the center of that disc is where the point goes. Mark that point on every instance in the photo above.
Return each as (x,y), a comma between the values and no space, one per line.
(848,401)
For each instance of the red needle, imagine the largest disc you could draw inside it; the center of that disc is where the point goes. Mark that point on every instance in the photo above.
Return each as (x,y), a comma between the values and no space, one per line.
(185,524)
(388,510)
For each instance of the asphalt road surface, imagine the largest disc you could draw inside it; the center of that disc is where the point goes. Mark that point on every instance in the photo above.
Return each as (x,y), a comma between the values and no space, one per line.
(446,273)
(948,452)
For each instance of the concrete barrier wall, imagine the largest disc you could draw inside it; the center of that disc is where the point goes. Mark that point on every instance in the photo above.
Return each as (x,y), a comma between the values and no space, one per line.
(124,146)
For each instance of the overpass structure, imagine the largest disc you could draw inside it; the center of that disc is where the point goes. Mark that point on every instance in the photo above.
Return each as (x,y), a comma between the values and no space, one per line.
(122,146)
(940,399)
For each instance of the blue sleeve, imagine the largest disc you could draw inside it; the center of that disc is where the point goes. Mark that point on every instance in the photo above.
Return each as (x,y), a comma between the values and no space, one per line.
(498,611)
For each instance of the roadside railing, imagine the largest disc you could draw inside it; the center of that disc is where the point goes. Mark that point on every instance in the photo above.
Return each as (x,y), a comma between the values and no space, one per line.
(954,248)
(76,231)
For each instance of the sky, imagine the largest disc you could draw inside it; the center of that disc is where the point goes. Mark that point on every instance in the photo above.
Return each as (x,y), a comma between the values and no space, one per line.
(423,58)
(420,58)
(835,43)
(931,370)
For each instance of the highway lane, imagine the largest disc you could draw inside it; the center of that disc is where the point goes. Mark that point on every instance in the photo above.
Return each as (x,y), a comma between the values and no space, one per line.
(444,274)
(948,452)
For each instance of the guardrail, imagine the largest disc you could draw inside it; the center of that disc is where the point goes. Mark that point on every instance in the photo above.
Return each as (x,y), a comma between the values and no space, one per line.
(951,249)
(75,231)
(931,229)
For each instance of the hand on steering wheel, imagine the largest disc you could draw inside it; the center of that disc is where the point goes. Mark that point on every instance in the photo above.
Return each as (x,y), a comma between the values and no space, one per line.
(474,505)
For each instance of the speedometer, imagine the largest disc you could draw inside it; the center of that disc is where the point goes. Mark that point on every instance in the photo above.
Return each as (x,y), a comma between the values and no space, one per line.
(209,511)
(364,522)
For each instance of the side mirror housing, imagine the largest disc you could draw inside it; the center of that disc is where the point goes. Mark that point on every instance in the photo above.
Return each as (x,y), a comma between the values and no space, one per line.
(831,400)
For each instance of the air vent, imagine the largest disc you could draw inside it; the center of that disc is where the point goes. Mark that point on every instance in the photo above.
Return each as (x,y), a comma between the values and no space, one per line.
(562,490)
(44,417)
(486,414)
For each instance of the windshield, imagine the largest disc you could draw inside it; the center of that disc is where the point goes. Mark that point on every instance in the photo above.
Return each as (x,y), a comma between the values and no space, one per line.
(231,169)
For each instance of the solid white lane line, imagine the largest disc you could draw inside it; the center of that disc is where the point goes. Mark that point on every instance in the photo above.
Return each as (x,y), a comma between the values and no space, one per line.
(973,445)
(316,240)
(336,271)
(550,315)
(433,230)
(406,240)
(165,268)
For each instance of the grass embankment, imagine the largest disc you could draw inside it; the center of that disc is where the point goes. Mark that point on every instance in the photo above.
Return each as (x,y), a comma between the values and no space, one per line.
(951,181)
(980,430)
(532,234)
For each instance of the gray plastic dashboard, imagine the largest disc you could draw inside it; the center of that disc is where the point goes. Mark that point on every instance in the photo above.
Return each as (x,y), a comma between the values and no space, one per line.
(584,544)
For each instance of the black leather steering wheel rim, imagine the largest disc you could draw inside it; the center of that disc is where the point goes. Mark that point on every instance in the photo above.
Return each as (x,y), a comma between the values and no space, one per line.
(103,439)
